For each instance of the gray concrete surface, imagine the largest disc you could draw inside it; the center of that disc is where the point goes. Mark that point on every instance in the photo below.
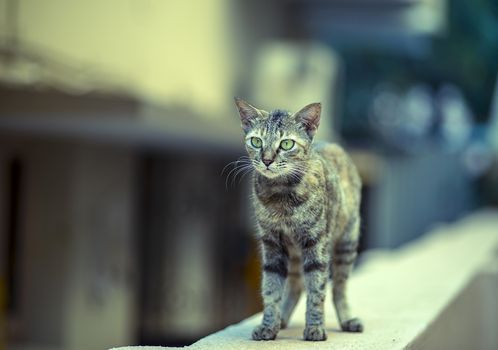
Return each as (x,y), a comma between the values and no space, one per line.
(436,293)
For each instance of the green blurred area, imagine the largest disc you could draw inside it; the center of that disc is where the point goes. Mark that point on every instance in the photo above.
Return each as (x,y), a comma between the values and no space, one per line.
(464,53)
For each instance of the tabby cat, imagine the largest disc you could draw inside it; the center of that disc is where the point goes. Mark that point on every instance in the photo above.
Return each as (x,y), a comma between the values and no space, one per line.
(306,198)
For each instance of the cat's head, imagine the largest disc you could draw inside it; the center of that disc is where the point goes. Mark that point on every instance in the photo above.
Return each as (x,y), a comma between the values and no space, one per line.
(278,142)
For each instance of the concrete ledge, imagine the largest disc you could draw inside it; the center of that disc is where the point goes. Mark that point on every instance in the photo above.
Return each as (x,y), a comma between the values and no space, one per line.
(438,292)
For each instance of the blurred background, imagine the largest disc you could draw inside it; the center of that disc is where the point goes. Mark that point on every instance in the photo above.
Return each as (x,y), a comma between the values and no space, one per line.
(118,225)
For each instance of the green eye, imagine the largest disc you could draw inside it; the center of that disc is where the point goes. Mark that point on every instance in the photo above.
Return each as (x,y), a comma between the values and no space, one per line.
(287,144)
(256,142)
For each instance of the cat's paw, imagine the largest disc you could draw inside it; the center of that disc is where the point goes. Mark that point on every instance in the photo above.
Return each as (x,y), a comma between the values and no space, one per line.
(264,333)
(352,325)
(315,333)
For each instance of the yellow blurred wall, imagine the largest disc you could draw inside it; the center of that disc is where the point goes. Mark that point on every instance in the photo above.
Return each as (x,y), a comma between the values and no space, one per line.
(168,51)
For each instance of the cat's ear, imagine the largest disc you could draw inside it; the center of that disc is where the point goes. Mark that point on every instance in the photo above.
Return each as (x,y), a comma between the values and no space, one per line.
(309,117)
(248,113)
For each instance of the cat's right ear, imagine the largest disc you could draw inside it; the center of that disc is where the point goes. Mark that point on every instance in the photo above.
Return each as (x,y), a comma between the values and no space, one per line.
(248,113)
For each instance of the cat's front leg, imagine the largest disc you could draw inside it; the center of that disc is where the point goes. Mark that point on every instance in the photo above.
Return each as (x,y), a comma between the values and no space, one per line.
(275,268)
(315,269)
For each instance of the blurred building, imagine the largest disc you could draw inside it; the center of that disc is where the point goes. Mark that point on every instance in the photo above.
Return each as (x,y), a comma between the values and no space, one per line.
(121,222)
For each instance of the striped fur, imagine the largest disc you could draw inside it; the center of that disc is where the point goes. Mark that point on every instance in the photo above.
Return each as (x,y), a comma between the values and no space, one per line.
(307,209)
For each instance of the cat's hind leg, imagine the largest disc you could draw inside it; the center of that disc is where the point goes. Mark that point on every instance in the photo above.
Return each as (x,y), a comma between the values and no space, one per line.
(293,289)
(343,257)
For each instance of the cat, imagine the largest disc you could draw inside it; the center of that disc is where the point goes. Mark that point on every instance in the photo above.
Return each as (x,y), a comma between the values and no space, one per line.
(306,197)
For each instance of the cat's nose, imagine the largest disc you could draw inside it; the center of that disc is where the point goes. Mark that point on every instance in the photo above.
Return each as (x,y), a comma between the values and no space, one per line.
(267,161)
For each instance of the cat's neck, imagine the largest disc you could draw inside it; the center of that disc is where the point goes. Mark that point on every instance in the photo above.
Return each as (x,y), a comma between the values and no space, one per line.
(285,181)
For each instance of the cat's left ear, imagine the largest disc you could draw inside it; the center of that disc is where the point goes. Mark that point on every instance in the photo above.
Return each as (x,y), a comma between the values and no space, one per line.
(309,116)
(248,113)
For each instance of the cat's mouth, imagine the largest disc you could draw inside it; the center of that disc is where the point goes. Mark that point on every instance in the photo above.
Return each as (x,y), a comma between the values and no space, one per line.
(268,172)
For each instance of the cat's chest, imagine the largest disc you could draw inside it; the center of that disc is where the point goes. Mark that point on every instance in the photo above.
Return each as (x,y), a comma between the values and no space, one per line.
(283,202)
(284,206)
(286,209)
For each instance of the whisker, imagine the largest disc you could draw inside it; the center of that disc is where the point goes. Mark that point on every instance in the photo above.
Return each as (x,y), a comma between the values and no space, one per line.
(235,162)
(249,171)
(235,169)
(239,171)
